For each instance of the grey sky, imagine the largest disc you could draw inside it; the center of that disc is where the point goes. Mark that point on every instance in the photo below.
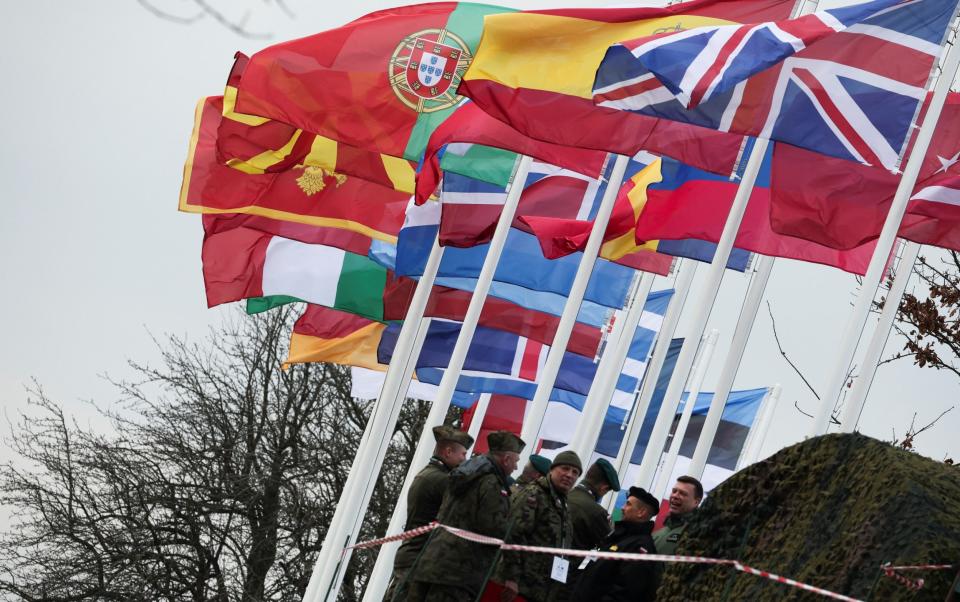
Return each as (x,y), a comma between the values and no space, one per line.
(97,108)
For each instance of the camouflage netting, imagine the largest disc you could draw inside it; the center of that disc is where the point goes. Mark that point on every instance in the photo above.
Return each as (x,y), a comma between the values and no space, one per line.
(828,512)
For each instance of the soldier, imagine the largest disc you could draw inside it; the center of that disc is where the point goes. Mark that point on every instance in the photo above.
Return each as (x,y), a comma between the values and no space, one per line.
(591,523)
(536,467)
(684,499)
(538,514)
(425,495)
(612,580)
(476,499)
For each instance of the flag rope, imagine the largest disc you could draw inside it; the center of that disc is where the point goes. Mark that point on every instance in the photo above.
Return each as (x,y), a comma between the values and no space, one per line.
(888,570)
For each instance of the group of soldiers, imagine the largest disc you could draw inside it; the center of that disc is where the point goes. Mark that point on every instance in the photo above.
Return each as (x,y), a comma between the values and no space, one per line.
(545,507)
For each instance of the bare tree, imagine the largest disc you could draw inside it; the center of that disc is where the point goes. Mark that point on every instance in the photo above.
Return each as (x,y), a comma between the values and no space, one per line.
(217,482)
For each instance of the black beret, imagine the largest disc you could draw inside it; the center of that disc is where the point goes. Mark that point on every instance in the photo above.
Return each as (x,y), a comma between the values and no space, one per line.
(641,494)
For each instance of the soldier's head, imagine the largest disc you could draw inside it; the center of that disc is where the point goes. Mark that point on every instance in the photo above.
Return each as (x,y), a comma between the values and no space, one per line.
(565,470)
(452,445)
(640,506)
(536,467)
(685,495)
(504,448)
(602,477)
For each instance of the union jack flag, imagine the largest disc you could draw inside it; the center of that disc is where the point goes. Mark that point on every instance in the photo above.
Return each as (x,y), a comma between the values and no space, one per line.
(700,62)
(853,94)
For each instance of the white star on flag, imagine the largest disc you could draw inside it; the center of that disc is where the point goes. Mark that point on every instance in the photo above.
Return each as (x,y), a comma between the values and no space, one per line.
(946,164)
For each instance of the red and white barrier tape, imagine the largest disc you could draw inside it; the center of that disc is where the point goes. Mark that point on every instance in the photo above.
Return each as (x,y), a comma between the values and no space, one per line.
(904,581)
(485,539)
(920,567)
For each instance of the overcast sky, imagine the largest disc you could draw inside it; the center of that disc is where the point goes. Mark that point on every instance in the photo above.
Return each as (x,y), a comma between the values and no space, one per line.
(97,107)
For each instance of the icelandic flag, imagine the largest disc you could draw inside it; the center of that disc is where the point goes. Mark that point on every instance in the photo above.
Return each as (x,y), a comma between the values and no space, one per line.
(853,95)
(700,63)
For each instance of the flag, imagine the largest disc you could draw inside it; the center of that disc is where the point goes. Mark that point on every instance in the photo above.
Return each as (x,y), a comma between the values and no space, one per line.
(691,203)
(218,223)
(853,95)
(382,82)
(242,263)
(470,125)
(504,413)
(311,196)
(255,145)
(367,384)
(451,304)
(696,64)
(933,215)
(842,205)
(493,355)
(322,334)
(535,70)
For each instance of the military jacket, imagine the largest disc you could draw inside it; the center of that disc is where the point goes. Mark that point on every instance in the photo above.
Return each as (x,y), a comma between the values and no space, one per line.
(476,499)
(614,580)
(539,517)
(590,521)
(667,537)
(423,505)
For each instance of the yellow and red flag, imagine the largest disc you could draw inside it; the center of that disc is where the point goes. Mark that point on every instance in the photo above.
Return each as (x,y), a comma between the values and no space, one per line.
(322,334)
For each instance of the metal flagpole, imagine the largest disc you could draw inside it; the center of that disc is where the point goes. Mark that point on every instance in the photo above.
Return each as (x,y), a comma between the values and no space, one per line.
(438,411)
(605,381)
(536,410)
(696,383)
(861,386)
(478,415)
(331,561)
(758,432)
(888,235)
(702,310)
(687,268)
(748,315)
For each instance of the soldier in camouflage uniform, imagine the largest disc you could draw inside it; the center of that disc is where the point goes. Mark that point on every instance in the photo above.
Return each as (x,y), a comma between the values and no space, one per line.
(591,523)
(477,499)
(539,516)
(537,466)
(425,496)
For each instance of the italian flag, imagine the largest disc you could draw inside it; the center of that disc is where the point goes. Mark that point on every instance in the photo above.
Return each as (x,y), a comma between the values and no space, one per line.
(246,264)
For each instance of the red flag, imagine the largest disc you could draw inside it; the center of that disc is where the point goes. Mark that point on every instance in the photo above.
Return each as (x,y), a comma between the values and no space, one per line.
(504,413)
(698,209)
(315,235)
(843,204)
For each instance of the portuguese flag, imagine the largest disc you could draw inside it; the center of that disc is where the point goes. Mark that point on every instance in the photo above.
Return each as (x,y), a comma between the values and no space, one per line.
(242,263)
(381,83)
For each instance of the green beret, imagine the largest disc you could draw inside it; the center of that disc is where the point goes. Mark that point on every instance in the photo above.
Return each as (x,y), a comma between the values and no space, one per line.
(609,473)
(448,433)
(541,464)
(504,441)
(568,458)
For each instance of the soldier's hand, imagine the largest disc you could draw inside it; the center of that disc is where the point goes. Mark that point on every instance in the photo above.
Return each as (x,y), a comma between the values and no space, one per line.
(509,592)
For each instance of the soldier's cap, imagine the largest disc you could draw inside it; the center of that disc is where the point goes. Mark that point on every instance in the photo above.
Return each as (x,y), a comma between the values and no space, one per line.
(504,441)
(609,474)
(541,464)
(641,494)
(448,433)
(568,458)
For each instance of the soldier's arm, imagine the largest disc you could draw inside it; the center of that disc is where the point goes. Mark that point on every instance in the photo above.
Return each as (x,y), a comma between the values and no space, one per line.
(522,521)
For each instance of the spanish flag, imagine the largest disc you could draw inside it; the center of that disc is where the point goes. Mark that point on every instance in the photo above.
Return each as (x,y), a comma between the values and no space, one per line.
(304,194)
(535,71)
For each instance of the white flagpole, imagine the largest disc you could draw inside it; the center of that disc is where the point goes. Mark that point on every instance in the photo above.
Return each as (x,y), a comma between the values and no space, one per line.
(861,386)
(686,269)
(533,417)
(331,561)
(758,432)
(696,383)
(858,319)
(605,381)
(438,411)
(478,415)
(748,315)
(702,309)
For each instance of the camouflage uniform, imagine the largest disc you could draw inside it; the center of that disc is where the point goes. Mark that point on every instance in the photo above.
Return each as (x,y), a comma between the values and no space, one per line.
(538,515)
(452,568)
(591,523)
(423,504)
